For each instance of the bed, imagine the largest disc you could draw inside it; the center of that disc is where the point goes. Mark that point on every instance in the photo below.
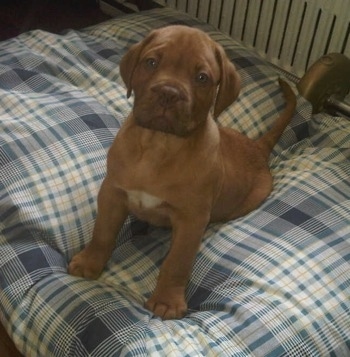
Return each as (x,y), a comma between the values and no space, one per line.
(273,283)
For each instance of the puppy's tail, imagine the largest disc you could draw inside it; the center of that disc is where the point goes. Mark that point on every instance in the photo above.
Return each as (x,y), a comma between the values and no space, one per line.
(269,140)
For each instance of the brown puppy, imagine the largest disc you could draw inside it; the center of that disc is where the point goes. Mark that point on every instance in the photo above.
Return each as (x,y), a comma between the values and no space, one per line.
(171,165)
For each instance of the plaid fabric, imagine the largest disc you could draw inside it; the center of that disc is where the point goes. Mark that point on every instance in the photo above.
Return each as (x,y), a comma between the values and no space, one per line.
(273,283)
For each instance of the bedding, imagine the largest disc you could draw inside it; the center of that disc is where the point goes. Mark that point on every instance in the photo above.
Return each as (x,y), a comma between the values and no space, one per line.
(273,283)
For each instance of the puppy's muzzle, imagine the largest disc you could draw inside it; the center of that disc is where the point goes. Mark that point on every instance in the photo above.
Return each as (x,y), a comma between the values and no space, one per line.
(168,94)
(166,107)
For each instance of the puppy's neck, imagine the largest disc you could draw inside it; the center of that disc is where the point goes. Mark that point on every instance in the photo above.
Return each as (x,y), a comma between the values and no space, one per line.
(159,141)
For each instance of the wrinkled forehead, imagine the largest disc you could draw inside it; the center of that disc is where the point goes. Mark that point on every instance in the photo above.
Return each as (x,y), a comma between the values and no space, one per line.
(182,42)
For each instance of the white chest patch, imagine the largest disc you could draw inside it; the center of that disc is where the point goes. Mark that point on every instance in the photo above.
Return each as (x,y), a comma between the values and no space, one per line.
(142,199)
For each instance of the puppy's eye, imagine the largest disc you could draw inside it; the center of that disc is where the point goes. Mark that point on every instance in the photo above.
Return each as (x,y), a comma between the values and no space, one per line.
(152,63)
(202,78)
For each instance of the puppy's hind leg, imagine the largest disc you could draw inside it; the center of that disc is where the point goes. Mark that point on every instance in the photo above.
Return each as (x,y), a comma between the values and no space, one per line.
(111,215)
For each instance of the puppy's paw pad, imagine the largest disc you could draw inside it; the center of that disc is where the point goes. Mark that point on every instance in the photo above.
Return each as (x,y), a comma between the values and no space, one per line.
(167,310)
(84,266)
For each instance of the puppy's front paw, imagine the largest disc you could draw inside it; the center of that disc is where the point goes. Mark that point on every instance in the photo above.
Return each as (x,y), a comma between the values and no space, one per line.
(168,304)
(87,264)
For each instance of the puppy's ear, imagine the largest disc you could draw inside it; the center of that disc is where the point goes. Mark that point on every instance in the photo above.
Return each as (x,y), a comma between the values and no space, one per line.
(230,82)
(130,60)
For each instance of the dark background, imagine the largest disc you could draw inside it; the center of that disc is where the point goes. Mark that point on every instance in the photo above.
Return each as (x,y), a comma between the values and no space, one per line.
(17,16)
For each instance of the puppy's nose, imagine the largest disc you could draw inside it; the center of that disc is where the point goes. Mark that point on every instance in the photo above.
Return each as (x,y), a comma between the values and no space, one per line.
(167,94)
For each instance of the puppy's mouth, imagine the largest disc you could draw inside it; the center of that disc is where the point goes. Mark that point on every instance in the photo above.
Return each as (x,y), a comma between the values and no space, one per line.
(165,122)
(174,119)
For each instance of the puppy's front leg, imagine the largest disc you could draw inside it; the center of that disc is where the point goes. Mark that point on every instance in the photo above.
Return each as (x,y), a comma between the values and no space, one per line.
(168,300)
(111,215)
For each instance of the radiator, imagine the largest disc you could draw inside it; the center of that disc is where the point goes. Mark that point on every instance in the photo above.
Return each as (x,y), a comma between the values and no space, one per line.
(291,34)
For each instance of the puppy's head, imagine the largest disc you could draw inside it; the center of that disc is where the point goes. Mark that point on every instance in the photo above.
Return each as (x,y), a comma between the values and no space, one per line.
(178,74)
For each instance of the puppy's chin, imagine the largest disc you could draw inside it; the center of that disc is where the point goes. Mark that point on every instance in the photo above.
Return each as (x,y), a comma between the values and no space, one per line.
(166,122)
